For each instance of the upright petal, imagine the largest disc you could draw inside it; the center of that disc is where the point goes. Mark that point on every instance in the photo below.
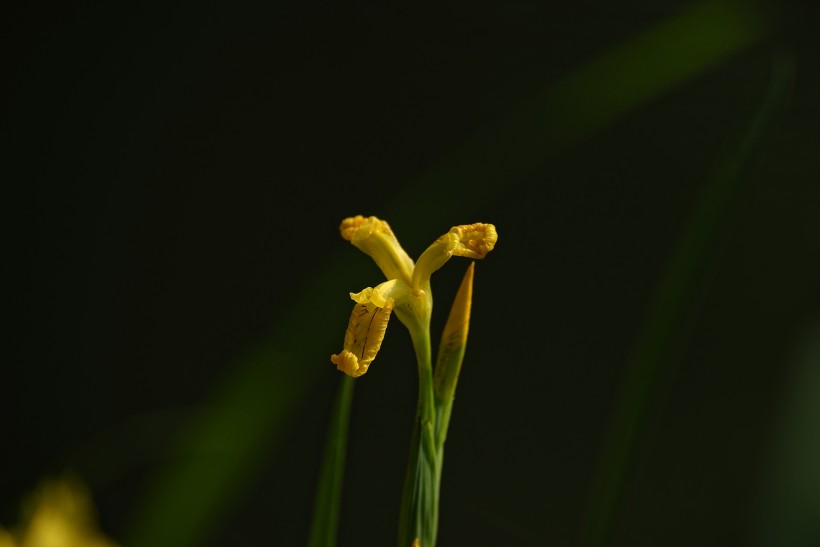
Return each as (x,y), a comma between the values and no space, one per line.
(474,240)
(374,237)
(469,240)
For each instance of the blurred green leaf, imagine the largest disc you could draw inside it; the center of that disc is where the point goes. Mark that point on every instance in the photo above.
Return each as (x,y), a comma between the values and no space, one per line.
(218,454)
(583,103)
(676,301)
(790,512)
(221,449)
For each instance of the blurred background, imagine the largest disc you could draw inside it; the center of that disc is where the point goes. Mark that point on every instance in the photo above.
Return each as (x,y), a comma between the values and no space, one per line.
(644,360)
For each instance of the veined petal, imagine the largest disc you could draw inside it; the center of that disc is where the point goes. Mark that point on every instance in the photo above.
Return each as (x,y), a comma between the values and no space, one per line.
(469,240)
(365,331)
(374,237)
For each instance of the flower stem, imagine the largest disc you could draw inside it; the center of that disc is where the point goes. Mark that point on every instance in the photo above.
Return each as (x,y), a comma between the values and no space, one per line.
(419,507)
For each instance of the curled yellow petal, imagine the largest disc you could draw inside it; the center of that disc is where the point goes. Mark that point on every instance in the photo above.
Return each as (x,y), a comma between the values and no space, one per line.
(365,332)
(468,240)
(374,237)
(474,240)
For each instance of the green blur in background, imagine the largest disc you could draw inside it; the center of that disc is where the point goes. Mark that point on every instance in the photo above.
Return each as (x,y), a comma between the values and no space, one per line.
(642,363)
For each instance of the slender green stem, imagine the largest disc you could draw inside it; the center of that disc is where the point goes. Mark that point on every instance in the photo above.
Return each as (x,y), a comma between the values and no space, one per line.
(419,508)
(426,403)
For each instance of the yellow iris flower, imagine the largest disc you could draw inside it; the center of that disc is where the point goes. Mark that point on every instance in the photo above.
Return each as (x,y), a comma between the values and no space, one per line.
(407,291)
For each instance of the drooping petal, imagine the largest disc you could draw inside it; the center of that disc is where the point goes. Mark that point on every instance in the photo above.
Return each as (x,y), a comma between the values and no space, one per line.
(365,332)
(374,237)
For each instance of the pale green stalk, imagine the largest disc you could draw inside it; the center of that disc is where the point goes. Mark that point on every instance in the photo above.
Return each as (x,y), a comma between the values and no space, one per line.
(419,506)
(419,512)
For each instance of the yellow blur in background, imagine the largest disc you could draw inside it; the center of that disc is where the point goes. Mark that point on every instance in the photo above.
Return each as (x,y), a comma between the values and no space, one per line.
(59,513)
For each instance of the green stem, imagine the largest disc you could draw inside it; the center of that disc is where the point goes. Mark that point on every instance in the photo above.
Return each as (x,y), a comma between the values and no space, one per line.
(419,507)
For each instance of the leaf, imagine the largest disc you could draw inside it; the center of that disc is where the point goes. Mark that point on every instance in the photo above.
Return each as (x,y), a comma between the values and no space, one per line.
(676,301)
(327,509)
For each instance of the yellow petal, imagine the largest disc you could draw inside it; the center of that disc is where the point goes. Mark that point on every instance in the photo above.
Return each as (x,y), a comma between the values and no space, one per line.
(62,515)
(365,332)
(379,296)
(469,240)
(474,240)
(374,237)
(6,539)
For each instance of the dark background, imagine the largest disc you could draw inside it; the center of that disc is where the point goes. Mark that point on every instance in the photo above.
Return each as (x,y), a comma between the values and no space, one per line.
(175,178)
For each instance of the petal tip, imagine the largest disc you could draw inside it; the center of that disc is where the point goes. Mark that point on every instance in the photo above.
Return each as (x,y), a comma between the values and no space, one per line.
(474,240)
(348,363)
(350,226)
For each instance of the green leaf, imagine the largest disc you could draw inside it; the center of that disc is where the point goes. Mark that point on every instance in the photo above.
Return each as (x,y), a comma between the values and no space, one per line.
(574,108)
(790,504)
(220,450)
(676,301)
(327,509)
